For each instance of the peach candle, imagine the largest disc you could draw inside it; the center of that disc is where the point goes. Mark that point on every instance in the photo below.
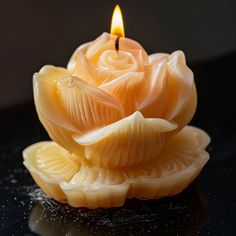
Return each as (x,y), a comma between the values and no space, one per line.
(118,120)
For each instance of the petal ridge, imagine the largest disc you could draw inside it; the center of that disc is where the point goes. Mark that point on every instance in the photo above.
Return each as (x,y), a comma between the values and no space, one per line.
(89,107)
(127,142)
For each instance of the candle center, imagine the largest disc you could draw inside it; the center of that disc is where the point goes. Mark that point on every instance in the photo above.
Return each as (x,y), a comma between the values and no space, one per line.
(122,60)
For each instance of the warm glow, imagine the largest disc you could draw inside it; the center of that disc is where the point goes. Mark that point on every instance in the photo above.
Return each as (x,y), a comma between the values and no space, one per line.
(117,25)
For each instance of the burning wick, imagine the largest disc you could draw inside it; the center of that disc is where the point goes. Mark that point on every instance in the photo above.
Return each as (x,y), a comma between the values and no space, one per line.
(117,43)
(117,26)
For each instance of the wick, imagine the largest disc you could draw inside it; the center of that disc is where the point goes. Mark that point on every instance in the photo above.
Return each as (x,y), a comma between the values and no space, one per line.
(117,43)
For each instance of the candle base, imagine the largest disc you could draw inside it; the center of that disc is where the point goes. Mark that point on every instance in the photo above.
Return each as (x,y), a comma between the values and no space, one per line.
(63,178)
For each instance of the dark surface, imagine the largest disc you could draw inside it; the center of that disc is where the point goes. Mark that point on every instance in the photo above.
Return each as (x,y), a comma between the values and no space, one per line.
(207,207)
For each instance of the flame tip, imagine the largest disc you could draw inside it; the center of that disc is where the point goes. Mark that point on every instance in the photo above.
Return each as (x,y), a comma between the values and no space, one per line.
(117,6)
(117,25)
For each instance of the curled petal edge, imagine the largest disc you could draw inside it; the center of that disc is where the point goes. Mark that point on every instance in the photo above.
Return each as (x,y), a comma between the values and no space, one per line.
(95,136)
(87,106)
(130,141)
(179,85)
(46,98)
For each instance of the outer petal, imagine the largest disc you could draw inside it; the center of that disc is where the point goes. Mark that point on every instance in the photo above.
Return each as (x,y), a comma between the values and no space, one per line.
(157,56)
(185,116)
(61,136)
(127,142)
(88,106)
(45,96)
(83,49)
(49,109)
(50,165)
(95,195)
(153,104)
(180,85)
(127,89)
(171,91)
(179,163)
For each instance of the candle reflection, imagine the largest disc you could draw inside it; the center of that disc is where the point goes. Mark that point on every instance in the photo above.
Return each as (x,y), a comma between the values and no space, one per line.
(184,214)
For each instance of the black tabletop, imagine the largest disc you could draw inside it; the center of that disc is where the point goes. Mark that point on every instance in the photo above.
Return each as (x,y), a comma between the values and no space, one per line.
(206,207)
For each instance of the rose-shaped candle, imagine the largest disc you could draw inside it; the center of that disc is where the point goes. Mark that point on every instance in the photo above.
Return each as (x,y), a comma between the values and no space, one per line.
(117,118)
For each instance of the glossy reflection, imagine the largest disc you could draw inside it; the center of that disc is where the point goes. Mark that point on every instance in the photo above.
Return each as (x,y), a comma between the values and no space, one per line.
(184,214)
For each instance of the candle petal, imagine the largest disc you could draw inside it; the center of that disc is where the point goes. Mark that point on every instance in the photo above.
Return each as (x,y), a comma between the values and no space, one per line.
(49,109)
(157,57)
(179,86)
(154,89)
(93,188)
(125,88)
(185,116)
(109,67)
(130,141)
(176,167)
(61,136)
(46,98)
(99,45)
(80,67)
(131,45)
(88,107)
(50,165)
(171,93)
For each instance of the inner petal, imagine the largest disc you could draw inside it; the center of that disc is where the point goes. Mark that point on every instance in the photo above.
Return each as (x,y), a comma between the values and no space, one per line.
(125,88)
(111,59)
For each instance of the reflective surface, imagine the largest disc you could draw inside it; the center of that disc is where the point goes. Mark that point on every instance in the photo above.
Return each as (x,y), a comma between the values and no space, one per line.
(165,217)
(207,207)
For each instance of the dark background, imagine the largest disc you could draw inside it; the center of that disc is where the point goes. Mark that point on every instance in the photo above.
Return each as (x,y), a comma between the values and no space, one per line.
(35,33)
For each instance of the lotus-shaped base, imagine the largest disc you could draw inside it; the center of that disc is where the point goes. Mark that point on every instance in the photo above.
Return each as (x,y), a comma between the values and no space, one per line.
(63,178)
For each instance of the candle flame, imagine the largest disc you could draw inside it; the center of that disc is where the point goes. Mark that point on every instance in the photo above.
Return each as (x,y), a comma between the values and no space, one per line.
(117,25)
